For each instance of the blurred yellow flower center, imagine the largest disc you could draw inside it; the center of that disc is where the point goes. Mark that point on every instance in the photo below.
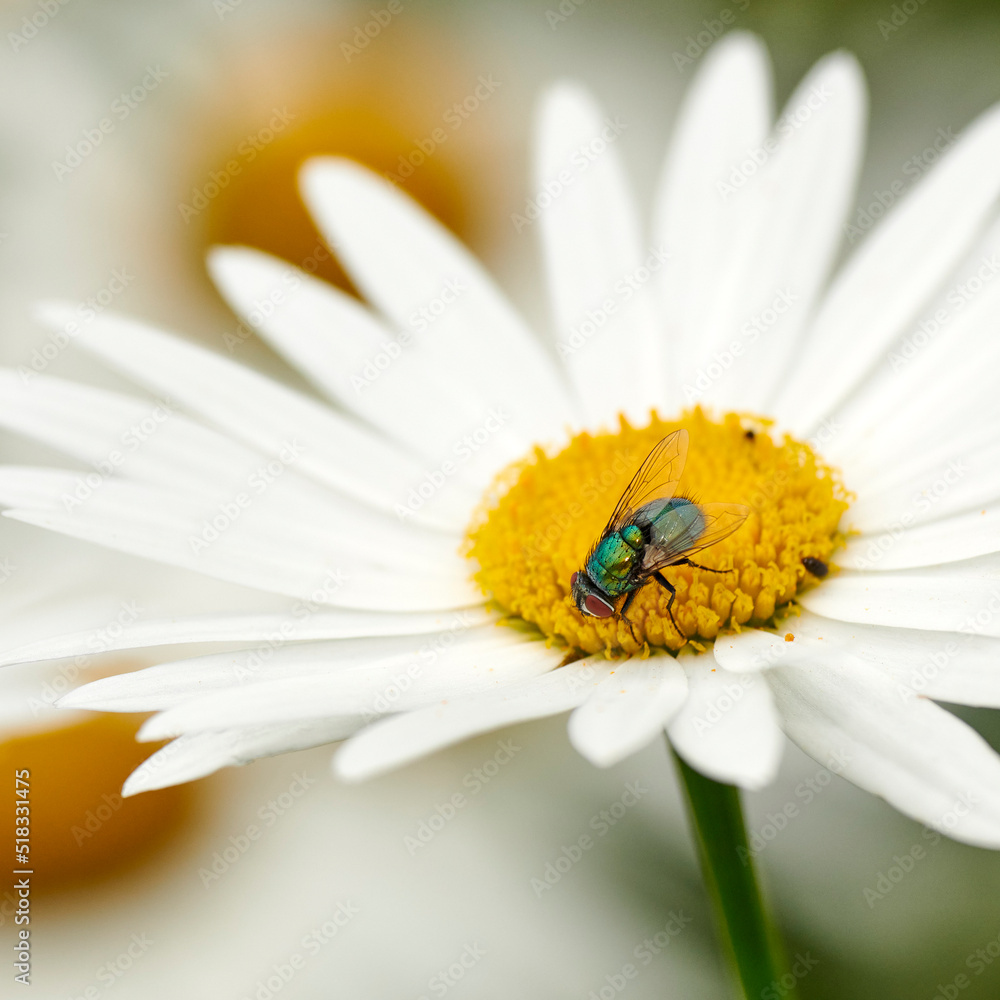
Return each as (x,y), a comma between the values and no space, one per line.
(81,829)
(546,512)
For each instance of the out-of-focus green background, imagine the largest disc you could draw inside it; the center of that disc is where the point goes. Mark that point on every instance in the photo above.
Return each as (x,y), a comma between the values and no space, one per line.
(129,904)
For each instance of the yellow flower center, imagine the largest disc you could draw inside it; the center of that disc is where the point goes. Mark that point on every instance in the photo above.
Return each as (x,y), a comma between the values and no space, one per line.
(544,514)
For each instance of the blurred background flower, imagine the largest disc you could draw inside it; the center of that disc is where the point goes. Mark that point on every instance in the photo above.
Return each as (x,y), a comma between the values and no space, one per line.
(135,136)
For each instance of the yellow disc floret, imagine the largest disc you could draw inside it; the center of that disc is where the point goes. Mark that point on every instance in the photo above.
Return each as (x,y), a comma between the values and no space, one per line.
(546,512)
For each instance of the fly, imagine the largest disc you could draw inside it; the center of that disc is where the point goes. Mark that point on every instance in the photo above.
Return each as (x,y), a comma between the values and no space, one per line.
(650,530)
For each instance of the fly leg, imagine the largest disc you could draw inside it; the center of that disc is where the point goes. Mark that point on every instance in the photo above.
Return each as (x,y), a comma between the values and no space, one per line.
(621,614)
(672,590)
(707,569)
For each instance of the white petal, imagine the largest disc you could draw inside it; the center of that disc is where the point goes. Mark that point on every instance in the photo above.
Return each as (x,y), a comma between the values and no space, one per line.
(950,666)
(376,372)
(267,501)
(305,620)
(960,417)
(122,435)
(728,727)
(753,649)
(259,411)
(797,189)
(894,271)
(274,512)
(192,757)
(253,548)
(958,597)
(726,111)
(396,741)
(925,486)
(628,709)
(32,486)
(405,261)
(937,383)
(366,688)
(952,539)
(381,658)
(917,756)
(603,315)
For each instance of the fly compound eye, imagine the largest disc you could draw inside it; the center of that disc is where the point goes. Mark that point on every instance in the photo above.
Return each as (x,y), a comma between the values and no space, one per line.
(597,607)
(573,579)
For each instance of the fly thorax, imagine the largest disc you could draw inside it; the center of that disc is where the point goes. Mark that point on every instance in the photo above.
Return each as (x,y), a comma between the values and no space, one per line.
(634,537)
(612,563)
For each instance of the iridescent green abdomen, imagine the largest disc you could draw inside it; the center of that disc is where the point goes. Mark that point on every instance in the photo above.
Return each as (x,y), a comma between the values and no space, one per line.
(677,523)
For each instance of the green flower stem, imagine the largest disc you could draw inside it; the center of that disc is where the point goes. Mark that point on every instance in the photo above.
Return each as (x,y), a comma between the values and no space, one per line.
(727,866)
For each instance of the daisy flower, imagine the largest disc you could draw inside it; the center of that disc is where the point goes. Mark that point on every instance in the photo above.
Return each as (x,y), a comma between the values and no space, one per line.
(419,516)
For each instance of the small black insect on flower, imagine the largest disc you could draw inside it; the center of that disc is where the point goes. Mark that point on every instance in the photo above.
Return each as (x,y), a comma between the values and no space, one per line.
(815,566)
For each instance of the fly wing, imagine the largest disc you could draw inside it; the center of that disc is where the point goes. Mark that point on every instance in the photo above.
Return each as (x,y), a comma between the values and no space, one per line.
(656,479)
(717,521)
